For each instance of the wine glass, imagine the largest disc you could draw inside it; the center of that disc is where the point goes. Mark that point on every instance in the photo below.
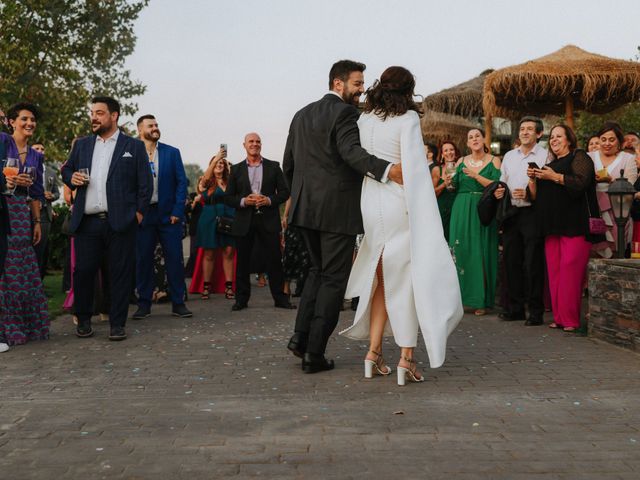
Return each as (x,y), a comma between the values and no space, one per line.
(256,191)
(10,170)
(450,170)
(31,171)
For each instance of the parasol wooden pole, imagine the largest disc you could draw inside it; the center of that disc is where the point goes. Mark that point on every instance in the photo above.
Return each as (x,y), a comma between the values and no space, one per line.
(488,123)
(568,112)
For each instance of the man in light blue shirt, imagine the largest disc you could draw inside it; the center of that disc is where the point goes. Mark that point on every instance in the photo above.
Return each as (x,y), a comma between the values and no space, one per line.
(523,246)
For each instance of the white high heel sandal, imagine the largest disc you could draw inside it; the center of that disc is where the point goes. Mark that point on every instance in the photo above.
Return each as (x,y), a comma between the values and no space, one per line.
(376,366)
(410,372)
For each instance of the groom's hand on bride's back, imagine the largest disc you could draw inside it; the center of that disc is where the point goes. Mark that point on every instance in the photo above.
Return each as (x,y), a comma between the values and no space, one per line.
(395,173)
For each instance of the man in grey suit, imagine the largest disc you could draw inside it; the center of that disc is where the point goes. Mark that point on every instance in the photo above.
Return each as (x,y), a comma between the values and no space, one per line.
(324,165)
(51,194)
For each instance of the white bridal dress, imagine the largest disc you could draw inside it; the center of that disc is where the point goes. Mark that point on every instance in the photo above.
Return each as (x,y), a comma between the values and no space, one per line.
(402,225)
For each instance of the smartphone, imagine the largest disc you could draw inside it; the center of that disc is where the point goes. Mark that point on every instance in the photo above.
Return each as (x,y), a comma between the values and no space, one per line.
(534,165)
(223,146)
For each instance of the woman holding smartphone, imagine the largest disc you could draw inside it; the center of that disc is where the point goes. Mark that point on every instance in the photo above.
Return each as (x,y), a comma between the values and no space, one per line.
(565,194)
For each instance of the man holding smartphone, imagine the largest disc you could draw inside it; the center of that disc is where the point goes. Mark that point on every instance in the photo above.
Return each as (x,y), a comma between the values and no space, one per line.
(523,246)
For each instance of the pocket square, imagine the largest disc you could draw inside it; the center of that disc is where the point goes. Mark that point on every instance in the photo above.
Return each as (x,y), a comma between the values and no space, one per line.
(127,155)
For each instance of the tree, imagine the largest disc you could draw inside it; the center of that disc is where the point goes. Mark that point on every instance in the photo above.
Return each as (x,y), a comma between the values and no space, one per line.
(193,172)
(59,53)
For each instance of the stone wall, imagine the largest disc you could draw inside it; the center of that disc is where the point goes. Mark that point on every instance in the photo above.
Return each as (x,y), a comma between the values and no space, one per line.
(614,302)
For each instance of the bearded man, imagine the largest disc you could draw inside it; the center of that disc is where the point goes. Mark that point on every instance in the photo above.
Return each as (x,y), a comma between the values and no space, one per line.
(163,222)
(111,176)
(324,164)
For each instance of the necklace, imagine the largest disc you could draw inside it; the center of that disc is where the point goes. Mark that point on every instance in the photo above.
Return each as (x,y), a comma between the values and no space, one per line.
(475,163)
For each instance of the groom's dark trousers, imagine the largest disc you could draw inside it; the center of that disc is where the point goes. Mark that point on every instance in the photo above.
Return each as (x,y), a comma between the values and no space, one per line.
(324,165)
(331,256)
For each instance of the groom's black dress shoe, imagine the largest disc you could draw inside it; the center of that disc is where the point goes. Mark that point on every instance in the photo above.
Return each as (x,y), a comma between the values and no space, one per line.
(313,363)
(298,344)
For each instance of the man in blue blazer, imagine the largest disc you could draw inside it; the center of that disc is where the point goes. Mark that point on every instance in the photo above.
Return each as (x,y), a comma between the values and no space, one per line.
(163,221)
(111,176)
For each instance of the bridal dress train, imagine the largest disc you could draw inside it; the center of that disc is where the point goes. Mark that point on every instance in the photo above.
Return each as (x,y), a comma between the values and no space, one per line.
(403,228)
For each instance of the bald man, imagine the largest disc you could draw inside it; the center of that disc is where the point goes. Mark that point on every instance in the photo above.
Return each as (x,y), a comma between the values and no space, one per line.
(256,189)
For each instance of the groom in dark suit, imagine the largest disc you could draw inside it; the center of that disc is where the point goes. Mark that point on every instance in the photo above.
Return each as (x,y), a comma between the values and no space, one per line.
(324,165)
(110,202)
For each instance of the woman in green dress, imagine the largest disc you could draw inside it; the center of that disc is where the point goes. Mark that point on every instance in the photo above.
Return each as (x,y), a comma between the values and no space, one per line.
(474,246)
(445,164)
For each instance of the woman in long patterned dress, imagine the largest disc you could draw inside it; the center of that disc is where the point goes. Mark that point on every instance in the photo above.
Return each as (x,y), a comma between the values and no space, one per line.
(474,246)
(23,304)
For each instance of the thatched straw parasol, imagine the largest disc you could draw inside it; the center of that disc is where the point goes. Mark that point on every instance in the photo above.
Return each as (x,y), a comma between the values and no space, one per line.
(568,79)
(464,99)
(438,127)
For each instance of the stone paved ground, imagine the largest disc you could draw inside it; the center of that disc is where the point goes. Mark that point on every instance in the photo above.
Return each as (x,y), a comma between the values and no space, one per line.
(217,396)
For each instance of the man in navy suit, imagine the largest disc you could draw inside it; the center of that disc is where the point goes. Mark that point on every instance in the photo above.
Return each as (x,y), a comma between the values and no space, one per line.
(111,200)
(163,221)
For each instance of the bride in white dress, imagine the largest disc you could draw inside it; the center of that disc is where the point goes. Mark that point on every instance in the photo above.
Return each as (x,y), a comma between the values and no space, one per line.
(404,271)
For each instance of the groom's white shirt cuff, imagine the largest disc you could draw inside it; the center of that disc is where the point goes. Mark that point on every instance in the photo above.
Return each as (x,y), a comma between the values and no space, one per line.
(385,177)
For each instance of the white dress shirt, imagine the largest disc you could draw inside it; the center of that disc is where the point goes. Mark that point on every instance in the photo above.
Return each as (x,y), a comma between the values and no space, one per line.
(96,200)
(154,170)
(514,169)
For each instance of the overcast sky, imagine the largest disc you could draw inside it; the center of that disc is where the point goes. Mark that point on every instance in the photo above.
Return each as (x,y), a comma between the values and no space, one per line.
(216,70)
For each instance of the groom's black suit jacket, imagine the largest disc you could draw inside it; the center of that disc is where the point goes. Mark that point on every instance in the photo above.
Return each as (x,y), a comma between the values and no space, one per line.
(324,165)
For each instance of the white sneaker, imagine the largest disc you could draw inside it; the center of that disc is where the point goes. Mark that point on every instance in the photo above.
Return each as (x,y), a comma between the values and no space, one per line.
(3,347)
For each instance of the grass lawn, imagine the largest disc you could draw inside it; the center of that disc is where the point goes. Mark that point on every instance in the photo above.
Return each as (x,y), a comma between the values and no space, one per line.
(53,290)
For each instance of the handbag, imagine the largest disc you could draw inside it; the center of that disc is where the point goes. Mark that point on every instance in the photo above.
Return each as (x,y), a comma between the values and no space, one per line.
(597,226)
(224,224)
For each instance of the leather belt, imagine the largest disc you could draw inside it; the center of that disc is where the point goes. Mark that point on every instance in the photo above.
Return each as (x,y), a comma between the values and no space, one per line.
(99,215)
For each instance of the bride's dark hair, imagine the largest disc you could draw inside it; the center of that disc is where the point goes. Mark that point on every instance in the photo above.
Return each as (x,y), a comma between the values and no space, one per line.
(393,94)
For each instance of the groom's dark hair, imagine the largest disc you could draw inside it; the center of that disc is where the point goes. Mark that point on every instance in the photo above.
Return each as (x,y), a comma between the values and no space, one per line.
(342,69)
